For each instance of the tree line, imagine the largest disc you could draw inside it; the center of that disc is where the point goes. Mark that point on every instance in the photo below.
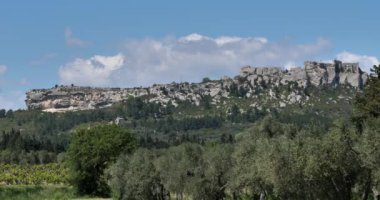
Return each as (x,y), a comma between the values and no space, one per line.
(266,162)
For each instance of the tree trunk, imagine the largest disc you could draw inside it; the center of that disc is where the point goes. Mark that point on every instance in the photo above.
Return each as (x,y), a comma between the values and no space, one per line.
(367,189)
(234,196)
(262,196)
(376,194)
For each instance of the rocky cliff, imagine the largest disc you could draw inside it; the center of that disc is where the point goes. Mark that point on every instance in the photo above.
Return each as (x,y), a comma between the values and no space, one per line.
(250,79)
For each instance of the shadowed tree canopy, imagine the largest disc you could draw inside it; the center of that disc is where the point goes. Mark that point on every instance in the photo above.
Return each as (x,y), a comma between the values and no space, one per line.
(367,104)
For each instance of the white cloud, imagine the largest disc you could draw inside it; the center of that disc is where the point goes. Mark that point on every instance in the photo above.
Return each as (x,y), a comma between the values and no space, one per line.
(365,62)
(3,69)
(73,41)
(194,37)
(225,40)
(95,71)
(190,58)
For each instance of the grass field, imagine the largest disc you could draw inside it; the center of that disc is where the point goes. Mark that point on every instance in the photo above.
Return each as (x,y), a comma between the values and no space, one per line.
(21,192)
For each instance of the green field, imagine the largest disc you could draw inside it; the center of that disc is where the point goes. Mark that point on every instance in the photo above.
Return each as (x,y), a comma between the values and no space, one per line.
(22,192)
(48,192)
(47,181)
(46,174)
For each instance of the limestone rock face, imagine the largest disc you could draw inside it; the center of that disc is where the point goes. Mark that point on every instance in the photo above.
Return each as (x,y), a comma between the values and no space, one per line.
(317,73)
(297,75)
(72,98)
(335,73)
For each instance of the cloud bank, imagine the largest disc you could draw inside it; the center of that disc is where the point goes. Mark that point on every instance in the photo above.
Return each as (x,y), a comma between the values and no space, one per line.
(95,71)
(189,58)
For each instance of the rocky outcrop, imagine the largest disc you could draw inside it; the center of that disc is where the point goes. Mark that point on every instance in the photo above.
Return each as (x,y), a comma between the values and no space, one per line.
(313,73)
(335,73)
(66,98)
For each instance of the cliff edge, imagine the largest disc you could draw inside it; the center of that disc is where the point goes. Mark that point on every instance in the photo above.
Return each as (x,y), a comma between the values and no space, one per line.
(250,79)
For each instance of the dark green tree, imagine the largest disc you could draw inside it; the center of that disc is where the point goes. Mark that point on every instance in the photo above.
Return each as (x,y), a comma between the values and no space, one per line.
(366,116)
(9,113)
(91,151)
(2,113)
(367,104)
(206,80)
(235,115)
(206,102)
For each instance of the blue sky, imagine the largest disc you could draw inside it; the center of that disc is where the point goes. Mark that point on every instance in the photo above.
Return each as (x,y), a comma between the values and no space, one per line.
(133,43)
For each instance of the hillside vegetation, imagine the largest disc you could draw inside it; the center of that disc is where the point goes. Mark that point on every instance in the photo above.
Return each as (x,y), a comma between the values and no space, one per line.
(324,146)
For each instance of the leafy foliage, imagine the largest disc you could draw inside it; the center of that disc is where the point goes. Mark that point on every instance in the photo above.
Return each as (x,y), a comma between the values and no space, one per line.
(367,105)
(136,177)
(367,119)
(91,150)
